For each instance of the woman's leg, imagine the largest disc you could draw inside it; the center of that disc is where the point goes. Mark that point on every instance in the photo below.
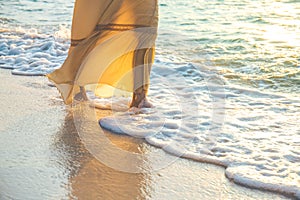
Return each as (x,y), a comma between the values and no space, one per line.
(85,18)
(143,59)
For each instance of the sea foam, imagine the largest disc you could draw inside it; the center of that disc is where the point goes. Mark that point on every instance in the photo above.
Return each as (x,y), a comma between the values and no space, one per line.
(253,134)
(197,115)
(28,52)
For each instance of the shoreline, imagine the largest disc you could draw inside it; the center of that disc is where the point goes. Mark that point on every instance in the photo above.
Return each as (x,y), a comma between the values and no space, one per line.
(42,155)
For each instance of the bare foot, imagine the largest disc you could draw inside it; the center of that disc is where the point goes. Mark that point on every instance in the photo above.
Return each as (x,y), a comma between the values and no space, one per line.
(83,93)
(81,96)
(140,102)
(139,99)
(145,103)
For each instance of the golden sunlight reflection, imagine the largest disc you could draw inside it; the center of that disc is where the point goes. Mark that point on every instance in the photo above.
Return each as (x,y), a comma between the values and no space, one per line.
(280,34)
(90,178)
(283,18)
(283,9)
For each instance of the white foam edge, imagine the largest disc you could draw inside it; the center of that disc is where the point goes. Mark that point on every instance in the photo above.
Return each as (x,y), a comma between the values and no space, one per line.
(26,73)
(235,174)
(176,150)
(6,66)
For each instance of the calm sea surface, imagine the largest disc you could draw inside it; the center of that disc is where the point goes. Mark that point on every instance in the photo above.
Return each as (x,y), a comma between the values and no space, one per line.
(238,60)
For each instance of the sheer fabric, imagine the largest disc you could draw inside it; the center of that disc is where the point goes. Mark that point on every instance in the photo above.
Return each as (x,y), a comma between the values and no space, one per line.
(112,47)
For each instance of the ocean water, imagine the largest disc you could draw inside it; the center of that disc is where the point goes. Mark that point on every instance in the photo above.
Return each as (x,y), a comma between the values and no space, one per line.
(225,83)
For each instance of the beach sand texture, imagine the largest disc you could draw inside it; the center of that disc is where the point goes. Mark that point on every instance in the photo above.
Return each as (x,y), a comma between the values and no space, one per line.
(42,156)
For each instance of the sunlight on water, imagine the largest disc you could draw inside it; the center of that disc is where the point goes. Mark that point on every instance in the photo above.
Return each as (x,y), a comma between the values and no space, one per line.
(279,34)
(252,42)
(252,46)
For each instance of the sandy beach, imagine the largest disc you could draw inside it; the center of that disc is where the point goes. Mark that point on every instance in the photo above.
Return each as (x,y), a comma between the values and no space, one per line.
(43,157)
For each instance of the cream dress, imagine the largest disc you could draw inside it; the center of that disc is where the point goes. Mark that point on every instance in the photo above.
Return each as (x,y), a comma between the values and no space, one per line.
(109,39)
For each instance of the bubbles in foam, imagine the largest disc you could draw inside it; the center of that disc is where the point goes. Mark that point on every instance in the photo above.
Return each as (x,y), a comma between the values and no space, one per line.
(256,122)
(255,143)
(28,52)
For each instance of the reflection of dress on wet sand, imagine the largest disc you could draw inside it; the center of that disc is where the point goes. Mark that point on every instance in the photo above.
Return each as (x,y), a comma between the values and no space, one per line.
(109,39)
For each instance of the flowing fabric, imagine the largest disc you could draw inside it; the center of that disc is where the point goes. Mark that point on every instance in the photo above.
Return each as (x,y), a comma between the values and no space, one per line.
(112,47)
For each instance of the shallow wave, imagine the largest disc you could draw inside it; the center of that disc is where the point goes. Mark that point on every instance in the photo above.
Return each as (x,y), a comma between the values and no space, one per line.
(27,52)
(198,115)
(253,43)
(254,134)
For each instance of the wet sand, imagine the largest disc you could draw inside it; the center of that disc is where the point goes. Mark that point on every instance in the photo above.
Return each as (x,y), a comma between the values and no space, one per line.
(50,151)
